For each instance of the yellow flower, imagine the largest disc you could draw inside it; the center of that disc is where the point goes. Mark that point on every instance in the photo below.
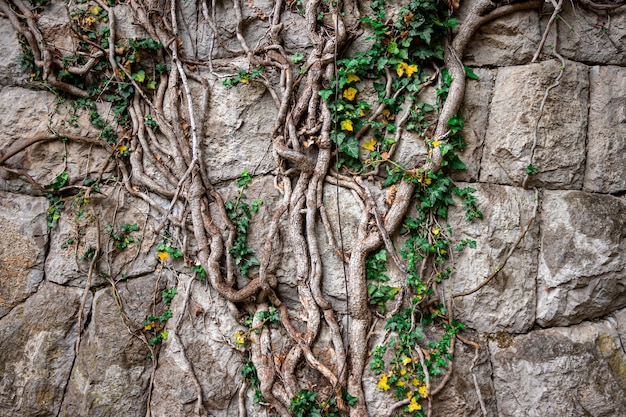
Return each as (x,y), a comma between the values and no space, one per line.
(148,327)
(414,405)
(415,382)
(350,93)
(423,391)
(361,113)
(382,383)
(406,360)
(404,68)
(409,394)
(163,256)
(352,78)
(164,335)
(123,148)
(410,69)
(386,112)
(95,10)
(370,145)
(435,231)
(400,383)
(240,338)
(346,125)
(403,372)
(436,143)
(427,181)
(244,80)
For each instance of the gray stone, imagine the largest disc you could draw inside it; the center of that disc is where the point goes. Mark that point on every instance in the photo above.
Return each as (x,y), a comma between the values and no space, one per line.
(206,334)
(111,373)
(509,40)
(26,113)
(11,72)
(76,234)
(507,303)
(475,113)
(582,259)
(561,133)
(590,36)
(238,131)
(574,371)
(605,170)
(22,247)
(37,341)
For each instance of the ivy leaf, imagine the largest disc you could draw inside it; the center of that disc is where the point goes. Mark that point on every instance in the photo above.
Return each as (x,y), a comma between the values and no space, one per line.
(139,76)
(470,73)
(351,148)
(370,145)
(325,94)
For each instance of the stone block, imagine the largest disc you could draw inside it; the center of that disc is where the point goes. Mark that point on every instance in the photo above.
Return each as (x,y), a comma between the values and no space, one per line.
(37,341)
(11,72)
(586,35)
(605,169)
(22,247)
(507,303)
(573,371)
(560,129)
(111,373)
(582,263)
(509,40)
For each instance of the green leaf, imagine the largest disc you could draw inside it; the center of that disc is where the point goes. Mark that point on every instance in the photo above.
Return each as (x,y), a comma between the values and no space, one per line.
(470,73)
(325,94)
(139,76)
(351,147)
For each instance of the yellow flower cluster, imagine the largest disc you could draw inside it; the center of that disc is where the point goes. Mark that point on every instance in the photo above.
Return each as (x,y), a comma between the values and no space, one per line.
(404,68)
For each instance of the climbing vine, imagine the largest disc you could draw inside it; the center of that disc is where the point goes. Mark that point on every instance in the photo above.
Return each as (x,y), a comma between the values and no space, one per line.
(339,120)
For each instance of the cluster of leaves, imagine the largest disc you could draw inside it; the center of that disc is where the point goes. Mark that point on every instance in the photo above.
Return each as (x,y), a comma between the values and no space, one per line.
(240,213)
(123,237)
(405,376)
(305,404)
(244,76)
(248,372)
(379,294)
(414,38)
(271,316)
(165,249)
(56,201)
(155,325)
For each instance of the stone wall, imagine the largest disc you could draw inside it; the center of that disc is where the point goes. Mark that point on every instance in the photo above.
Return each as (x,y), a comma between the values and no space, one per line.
(551,324)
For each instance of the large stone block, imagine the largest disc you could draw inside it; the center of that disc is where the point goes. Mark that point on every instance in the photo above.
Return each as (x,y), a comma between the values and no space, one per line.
(22,247)
(507,303)
(475,112)
(582,263)
(205,342)
(238,131)
(111,373)
(76,234)
(37,341)
(11,72)
(561,127)
(587,35)
(509,40)
(605,169)
(574,371)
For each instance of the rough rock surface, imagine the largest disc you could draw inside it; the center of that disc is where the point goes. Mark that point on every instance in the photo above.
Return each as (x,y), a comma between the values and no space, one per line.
(111,373)
(605,170)
(37,341)
(581,264)
(23,247)
(508,302)
(517,136)
(574,371)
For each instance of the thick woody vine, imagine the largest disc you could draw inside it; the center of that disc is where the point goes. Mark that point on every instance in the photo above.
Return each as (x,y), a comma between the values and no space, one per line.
(326,130)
